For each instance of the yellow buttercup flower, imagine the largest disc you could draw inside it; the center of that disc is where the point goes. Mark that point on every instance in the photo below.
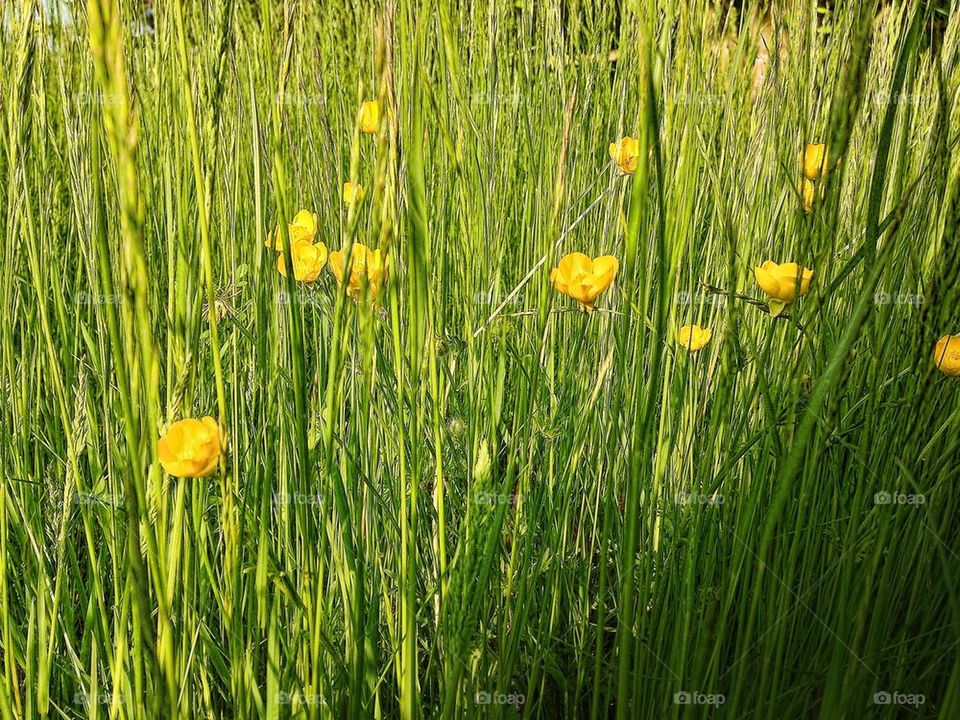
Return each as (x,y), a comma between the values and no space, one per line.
(352,193)
(947,355)
(308,260)
(303,227)
(814,160)
(190,448)
(370,116)
(365,265)
(780,281)
(693,337)
(626,153)
(583,279)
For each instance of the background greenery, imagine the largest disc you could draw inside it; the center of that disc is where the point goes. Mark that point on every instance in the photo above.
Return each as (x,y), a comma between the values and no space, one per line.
(475,500)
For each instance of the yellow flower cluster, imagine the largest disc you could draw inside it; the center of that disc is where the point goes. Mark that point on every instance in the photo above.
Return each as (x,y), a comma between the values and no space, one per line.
(583,278)
(308,257)
(782,283)
(191,448)
(368,266)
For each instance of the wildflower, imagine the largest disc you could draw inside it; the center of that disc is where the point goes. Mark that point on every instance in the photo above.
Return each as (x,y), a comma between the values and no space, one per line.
(814,160)
(625,153)
(693,337)
(190,448)
(352,193)
(365,265)
(370,116)
(308,260)
(780,283)
(813,169)
(583,279)
(947,355)
(303,227)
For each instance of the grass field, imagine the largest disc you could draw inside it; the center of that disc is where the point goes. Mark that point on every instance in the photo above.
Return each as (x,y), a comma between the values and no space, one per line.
(444,479)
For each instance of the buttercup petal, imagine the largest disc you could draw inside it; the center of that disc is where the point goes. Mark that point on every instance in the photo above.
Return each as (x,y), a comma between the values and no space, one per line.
(789,269)
(166,450)
(336,264)
(767,280)
(605,270)
(370,116)
(814,160)
(693,337)
(306,220)
(574,264)
(352,193)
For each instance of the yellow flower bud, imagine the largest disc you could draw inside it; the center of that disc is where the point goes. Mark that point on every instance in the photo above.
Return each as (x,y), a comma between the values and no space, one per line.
(814,160)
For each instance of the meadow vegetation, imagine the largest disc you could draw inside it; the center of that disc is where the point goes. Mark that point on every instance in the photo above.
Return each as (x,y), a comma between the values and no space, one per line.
(309,410)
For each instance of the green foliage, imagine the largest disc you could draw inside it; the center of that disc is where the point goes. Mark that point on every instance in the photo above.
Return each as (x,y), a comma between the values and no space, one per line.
(472,499)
